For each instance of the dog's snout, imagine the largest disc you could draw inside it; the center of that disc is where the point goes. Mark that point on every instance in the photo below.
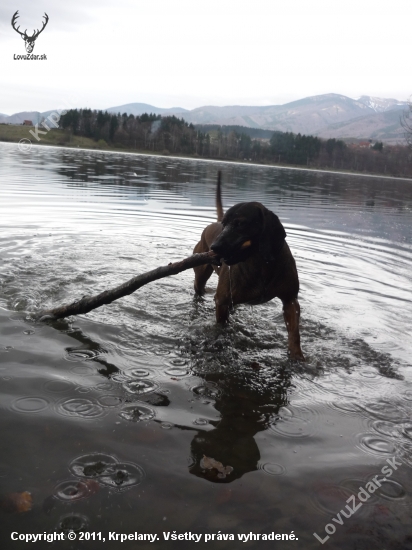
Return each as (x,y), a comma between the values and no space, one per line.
(217,247)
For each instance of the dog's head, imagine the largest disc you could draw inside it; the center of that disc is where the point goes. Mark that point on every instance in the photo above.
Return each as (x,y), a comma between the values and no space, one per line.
(249,228)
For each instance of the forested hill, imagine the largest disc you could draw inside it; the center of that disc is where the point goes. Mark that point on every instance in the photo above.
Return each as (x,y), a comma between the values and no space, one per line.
(172,135)
(254,133)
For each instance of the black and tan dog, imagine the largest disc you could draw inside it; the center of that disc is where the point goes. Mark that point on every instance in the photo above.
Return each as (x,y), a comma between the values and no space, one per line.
(257,264)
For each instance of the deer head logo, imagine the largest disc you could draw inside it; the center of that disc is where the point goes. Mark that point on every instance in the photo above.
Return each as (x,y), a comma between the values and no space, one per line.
(28,40)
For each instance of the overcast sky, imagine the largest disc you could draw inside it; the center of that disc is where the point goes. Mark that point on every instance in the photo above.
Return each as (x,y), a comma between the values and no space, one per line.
(189,53)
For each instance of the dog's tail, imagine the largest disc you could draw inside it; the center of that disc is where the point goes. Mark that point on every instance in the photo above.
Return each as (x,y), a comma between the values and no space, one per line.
(219,205)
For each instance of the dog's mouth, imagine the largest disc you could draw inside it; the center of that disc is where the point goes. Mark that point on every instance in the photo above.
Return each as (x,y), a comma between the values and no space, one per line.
(231,260)
(234,253)
(239,255)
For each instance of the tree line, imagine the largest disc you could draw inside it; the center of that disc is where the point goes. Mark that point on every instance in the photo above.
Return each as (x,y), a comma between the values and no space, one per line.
(171,135)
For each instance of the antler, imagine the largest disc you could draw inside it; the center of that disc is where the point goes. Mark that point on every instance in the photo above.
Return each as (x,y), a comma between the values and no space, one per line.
(28,40)
(36,34)
(13,21)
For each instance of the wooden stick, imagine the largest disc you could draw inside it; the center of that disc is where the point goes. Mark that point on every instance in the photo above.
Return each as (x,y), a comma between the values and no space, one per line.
(87,303)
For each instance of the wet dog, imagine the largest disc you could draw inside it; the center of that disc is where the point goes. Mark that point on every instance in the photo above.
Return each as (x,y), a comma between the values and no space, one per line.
(257,264)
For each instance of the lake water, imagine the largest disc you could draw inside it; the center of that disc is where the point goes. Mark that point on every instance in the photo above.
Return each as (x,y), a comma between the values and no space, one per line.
(105,418)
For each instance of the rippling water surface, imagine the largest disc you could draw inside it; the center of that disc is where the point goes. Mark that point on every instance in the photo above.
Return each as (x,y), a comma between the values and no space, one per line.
(106,418)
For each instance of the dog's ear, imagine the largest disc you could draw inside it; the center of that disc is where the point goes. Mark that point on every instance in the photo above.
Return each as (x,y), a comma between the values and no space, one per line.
(272,236)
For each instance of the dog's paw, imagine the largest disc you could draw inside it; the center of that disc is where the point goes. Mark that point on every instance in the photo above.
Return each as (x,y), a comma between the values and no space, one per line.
(296,355)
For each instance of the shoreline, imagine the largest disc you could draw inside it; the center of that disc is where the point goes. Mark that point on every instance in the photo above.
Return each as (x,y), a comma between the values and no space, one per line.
(215,160)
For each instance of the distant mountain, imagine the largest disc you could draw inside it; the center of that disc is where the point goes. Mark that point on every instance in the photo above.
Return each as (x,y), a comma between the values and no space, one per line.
(131,108)
(305,115)
(327,115)
(137,109)
(310,115)
(18,118)
(381,126)
(35,116)
(380,105)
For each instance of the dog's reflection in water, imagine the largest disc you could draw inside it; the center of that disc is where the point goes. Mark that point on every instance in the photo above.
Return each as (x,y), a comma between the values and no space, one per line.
(246,408)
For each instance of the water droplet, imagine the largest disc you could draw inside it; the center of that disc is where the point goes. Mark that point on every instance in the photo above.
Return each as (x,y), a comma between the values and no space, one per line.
(385,409)
(201,422)
(295,422)
(137,413)
(177,371)
(109,400)
(123,475)
(120,378)
(72,522)
(140,386)
(80,407)
(92,465)
(104,386)
(30,404)
(77,354)
(369,373)
(391,489)
(273,469)
(347,407)
(166,425)
(178,362)
(140,373)
(72,490)
(376,445)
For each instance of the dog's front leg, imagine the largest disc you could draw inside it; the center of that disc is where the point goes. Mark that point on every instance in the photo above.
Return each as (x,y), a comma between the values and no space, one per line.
(223,296)
(222,314)
(291,314)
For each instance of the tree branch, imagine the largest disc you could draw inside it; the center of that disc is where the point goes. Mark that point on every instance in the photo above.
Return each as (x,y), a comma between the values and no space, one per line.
(87,303)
